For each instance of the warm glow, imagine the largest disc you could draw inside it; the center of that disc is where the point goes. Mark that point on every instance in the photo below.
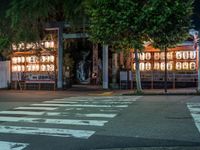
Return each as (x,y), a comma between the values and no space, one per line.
(148,66)
(148,56)
(178,55)
(156,56)
(157,66)
(178,66)
(192,66)
(192,55)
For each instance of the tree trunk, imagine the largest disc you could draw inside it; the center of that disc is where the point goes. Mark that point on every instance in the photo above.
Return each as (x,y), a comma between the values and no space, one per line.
(114,70)
(165,70)
(138,80)
(60,56)
(105,66)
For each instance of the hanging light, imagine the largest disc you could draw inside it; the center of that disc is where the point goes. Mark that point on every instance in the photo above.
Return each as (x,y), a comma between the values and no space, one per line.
(192,66)
(14,60)
(178,55)
(192,55)
(47,44)
(169,66)
(170,55)
(186,55)
(148,66)
(185,65)
(157,66)
(51,44)
(178,65)
(51,58)
(148,56)
(142,66)
(162,66)
(156,56)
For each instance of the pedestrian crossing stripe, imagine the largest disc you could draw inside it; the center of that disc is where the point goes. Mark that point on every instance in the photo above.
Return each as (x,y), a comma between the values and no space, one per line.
(85,102)
(36,108)
(54,121)
(195,112)
(103,115)
(12,146)
(57,132)
(80,105)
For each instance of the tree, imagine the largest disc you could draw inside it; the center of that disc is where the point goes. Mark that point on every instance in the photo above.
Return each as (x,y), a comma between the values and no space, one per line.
(119,23)
(167,24)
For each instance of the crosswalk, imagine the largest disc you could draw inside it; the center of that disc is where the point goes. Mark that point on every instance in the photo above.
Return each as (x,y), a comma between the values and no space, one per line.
(73,117)
(195,112)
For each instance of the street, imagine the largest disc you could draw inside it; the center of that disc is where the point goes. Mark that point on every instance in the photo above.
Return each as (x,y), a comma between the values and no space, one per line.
(50,121)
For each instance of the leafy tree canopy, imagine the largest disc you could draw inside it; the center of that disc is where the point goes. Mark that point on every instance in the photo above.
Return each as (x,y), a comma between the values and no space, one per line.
(168,21)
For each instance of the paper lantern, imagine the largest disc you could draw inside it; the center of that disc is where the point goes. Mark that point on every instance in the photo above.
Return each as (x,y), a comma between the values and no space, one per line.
(162,55)
(14,60)
(192,66)
(148,66)
(51,58)
(185,65)
(169,66)
(178,55)
(178,66)
(142,66)
(192,55)
(162,66)
(142,56)
(186,55)
(156,56)
(157,66)
(170,55)
(148,56)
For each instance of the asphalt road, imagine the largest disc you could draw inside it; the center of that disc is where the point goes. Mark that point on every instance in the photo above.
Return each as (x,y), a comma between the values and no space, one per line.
(32,120)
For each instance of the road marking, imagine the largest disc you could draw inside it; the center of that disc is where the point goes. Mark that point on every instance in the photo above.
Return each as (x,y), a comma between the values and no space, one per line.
(80,105)
(58,114)
(54,121)
(36,108)
(85,102)
(84,134)
(195,112)
(12,146)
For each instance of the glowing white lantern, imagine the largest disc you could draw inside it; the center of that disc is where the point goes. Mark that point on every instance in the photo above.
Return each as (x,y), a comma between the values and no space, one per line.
(43,68)
(28,59)
(142,66)
(186,55)
(156,56)
(22,59)
(18,59)
(14,47)
(47,44)
(157,66)
(169,66)
(185,65)
(14,68)
(178,55)
(162,66)
(170,55)
(28,67)
(43,58)
(46,58)
(51,44)
(178,66)
(32,59)
(162,55)
(14,60)
(192,55)
(148,66)
(37,67)
(148,56)
(51,67)
(22,68)
(142,56)
(192,66)
(51,58)
(18,68)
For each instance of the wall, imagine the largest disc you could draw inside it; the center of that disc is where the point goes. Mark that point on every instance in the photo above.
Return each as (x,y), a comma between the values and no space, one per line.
(4,74)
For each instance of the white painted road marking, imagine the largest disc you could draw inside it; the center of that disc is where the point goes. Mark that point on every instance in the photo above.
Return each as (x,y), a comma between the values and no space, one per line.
(37,108)
(195,112)
(54,121)
(12,146)
(85,102)
(84,134)
(80,105)
(57,114)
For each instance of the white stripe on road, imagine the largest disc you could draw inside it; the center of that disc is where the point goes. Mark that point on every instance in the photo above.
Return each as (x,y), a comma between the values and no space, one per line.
(57,114)
(84,134)
(36,108)
(79,105)
(195,112)
(12,146)
(91,102)
(54,121)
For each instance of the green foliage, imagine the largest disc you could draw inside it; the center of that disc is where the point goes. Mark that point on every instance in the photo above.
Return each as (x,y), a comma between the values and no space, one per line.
(117,23)
(168,22)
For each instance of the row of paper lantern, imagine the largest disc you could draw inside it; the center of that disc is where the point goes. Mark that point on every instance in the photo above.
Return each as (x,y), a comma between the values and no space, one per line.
(22,46)
(161,66)
(161,55)
(32,59)
(36,67)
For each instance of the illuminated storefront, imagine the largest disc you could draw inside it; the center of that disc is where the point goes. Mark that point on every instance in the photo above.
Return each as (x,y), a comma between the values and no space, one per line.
(33,65)
(181,65)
